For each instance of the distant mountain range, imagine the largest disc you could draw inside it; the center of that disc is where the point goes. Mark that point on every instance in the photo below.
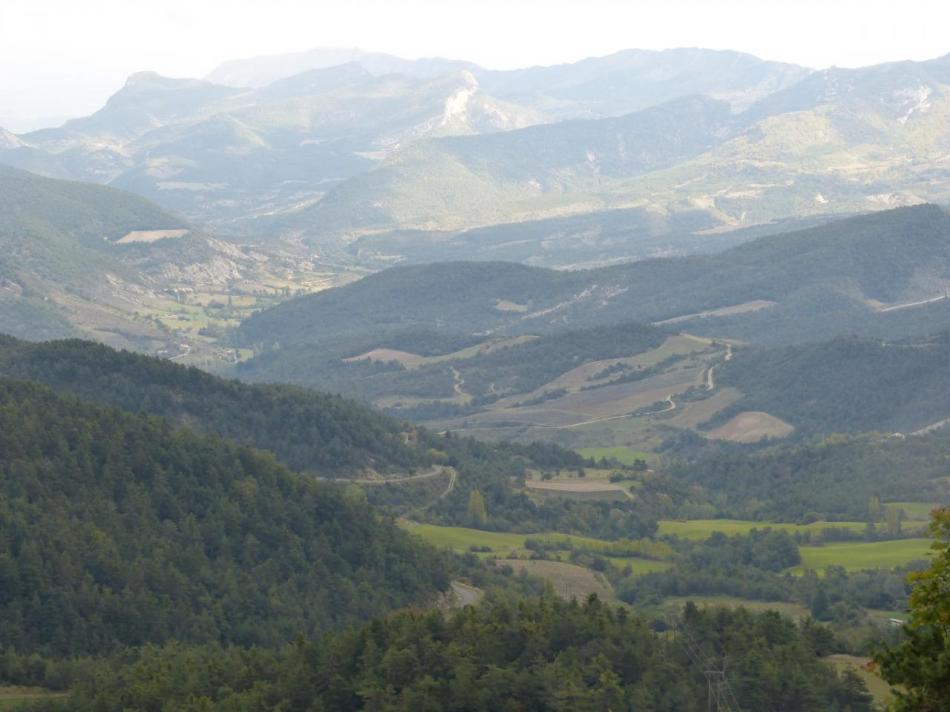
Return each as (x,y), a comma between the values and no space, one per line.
(838,141)
(346,149)
(617,84)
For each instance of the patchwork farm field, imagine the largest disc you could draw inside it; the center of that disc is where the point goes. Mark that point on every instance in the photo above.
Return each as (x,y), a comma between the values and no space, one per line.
(864,555)
(461,539)
(704,528)
(512,546)
(623,455)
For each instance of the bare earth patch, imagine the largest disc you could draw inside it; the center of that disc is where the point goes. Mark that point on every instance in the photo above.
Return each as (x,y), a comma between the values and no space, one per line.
(573,486)
(404,358)
(504,305)
(752,426)
(569,581)
(151,236)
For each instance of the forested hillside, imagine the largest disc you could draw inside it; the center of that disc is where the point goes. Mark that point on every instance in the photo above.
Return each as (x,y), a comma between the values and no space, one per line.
(847,385)
(833,478)
(317,433)
(120,530)
(843,277)
(543,655)
(307,431)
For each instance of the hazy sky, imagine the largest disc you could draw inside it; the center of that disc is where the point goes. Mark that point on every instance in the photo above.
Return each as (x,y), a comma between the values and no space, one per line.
(65,57)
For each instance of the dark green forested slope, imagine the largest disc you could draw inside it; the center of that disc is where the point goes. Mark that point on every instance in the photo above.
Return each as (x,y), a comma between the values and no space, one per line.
(847,385)
(456,296)
(317,433)
(308,431)
(832,478)
(119,530)
(538,655)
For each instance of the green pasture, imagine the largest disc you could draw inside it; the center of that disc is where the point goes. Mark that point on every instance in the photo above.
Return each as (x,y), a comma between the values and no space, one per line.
(855,556)
(623,455)
(704,528)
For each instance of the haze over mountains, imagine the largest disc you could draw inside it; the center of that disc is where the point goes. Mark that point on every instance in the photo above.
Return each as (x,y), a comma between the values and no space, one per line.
(409,336)
(338,146)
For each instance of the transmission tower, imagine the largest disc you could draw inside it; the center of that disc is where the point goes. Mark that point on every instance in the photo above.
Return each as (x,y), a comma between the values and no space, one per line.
(720,696)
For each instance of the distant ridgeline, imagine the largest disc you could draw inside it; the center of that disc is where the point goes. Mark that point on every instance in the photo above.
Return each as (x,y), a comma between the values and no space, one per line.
(877,275)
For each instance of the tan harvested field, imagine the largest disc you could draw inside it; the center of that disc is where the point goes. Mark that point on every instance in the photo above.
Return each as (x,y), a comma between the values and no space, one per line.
(692,414)
(404,358)
(744,308)
(586,407)
(151,235)
(750,427)
(583,375)
(579,489)
(625,398)
(573,486)
(568,580)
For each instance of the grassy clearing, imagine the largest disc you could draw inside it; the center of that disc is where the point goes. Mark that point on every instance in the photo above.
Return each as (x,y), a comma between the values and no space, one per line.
(504,544)
(704,528)
(639,566)
(786,608)
(916,511)
(568,580)
(461,539)
(623,455)
(879,689)
(13,697)
(864,555)
(673,346)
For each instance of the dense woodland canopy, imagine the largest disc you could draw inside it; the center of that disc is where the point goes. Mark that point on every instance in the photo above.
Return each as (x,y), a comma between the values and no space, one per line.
(319,433)
(541,654)
(119,530)
(832,478)
(308,431)
(848,384)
